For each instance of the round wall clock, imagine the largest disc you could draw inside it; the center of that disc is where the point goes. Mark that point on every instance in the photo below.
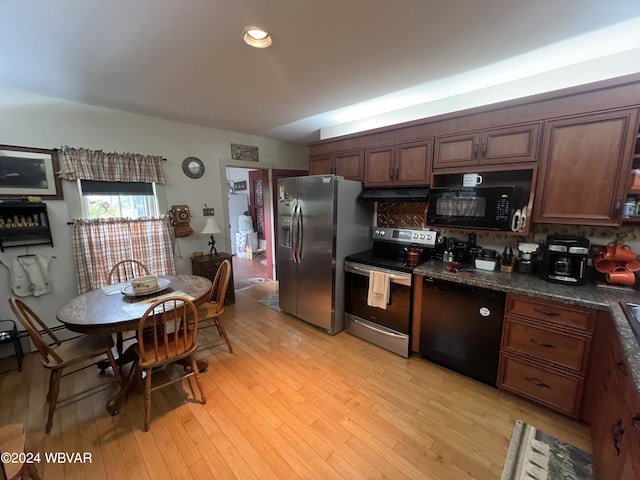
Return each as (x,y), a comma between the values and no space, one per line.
(193,167)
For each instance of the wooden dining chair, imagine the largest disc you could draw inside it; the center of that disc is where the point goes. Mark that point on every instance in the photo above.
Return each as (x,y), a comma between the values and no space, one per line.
(213,308)
(13,441)
(167,332)
(64,358)
(124,271)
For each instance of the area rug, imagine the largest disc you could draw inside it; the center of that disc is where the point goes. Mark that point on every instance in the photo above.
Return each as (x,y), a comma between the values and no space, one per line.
(248,283)
(534,455)
(273,302)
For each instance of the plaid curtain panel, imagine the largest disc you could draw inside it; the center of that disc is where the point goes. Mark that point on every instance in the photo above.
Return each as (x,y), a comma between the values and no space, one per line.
(101,243)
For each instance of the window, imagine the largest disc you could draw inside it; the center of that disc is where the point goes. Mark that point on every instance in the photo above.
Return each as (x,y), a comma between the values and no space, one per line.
(117,199)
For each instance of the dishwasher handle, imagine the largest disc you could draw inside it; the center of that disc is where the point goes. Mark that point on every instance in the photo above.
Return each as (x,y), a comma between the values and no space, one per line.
(449,287)
(461,289)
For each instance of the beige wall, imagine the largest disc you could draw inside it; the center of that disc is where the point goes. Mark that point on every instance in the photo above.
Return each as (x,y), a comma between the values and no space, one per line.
(42,122)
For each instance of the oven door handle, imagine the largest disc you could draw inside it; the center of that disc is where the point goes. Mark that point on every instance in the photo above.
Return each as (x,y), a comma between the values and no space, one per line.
(402,279)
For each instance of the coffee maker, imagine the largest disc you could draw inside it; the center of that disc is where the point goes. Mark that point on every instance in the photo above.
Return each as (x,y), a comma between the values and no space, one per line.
(565,259)
(526,261)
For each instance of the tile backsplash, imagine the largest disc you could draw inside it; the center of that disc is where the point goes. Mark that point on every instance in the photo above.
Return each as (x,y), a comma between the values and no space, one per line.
(402,214)
(414,214)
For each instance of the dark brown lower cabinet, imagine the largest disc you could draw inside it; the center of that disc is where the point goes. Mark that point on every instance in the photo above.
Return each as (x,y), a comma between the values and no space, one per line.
(614,409)
(544,352)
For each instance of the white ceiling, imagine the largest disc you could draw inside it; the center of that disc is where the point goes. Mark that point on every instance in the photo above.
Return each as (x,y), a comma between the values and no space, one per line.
(184,59)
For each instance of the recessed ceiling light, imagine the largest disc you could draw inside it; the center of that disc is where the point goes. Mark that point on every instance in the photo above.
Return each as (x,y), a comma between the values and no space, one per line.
(256,37)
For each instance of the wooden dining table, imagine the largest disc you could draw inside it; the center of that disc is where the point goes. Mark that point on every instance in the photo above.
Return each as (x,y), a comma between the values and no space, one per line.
(116,309)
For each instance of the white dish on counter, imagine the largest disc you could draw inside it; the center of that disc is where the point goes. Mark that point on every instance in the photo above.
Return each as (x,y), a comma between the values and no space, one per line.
(482,264)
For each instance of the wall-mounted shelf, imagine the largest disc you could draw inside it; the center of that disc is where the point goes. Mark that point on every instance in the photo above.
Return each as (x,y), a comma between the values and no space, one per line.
(23,224)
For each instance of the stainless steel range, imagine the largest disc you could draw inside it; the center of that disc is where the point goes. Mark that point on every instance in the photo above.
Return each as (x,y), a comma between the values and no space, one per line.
(388,325)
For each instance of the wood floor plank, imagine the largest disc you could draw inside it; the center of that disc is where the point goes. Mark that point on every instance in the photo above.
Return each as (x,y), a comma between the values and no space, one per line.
(103,446)
(206,447)
(291,402)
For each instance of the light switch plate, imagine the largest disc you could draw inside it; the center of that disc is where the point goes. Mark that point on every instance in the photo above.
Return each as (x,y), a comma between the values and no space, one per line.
(207,212)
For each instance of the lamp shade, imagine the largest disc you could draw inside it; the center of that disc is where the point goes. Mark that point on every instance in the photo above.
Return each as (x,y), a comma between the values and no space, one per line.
(211,226)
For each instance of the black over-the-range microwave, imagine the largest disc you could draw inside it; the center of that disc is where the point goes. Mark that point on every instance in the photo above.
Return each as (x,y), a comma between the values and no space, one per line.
(489,208)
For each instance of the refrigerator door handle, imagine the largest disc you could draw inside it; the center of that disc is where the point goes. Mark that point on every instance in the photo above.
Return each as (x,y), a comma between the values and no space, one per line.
(294,232)
(300,234)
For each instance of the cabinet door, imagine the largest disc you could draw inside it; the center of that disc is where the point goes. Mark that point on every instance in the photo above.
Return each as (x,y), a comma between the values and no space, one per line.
(510,145)
(609,424)
(631,462)
(349,165)
(456,150)
(413,163)
(320,164)
(584,168)
(378,167)
(607,427)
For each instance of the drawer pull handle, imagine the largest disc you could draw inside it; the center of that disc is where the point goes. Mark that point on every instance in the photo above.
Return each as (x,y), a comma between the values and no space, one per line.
(537,382)
(617,431)
(622,368)
(549,313)
(541,344)
(635,421)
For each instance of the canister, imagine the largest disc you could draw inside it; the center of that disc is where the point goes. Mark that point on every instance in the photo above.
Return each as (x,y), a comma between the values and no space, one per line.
(629,208)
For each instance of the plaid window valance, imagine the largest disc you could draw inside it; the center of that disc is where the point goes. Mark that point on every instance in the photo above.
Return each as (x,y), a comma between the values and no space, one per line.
(85,164)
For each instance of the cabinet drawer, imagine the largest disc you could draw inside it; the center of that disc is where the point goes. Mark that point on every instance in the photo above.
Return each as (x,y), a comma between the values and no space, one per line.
(554,389)
(550,312)
(546,344)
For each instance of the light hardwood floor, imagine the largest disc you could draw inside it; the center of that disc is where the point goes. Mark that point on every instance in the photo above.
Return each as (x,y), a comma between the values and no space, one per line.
(244,268)
(290,402)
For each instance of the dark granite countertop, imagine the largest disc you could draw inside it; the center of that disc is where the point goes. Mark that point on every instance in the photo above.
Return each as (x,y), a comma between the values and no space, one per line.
(588,295)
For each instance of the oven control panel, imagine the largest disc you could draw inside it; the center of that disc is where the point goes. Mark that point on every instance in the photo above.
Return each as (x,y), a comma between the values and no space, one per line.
(405,235)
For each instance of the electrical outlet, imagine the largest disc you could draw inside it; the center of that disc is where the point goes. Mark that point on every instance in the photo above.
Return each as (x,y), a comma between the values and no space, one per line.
(207,212)
(595,249)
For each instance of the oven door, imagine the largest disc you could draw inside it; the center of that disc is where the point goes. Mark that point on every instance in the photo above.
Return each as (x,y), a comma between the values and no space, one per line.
(388,328)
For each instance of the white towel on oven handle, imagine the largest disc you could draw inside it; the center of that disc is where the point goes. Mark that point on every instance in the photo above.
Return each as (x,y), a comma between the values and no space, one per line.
(379,289)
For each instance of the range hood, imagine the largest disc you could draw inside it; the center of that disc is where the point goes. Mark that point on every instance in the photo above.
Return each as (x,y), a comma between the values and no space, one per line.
(404,194)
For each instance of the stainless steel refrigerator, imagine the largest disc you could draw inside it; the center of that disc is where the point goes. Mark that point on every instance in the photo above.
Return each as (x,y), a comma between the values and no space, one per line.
(320,221)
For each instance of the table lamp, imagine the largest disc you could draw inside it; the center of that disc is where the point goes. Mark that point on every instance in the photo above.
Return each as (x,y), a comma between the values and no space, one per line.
(211,227)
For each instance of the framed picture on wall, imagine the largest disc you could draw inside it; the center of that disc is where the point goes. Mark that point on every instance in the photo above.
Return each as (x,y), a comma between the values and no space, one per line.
(239,186)
(29,171)
(247,153)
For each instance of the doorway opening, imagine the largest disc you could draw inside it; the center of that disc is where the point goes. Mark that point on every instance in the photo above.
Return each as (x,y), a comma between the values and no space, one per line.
(252,200)
(250,225)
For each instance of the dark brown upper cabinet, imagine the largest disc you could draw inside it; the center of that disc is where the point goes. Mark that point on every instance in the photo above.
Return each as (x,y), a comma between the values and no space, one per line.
(585,167)
(398,165)
(489,147)
(349,165)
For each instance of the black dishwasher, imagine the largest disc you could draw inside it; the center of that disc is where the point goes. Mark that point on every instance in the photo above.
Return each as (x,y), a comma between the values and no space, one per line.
(461,328)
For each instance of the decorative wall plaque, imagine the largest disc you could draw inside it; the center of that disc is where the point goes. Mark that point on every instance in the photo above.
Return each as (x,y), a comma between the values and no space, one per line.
(246,153)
